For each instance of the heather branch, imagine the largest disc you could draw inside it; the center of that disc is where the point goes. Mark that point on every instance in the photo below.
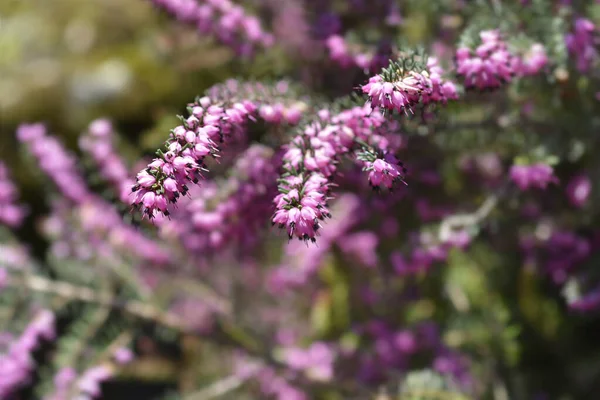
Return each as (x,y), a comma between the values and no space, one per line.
(218,388)
(225,333)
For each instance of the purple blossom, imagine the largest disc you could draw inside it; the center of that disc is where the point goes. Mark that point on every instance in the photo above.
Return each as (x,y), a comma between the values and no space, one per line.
(489,66)
(226,21)
(17,362)
(578,190)
(98,143)
(532,176)
(582,43)
(55,161)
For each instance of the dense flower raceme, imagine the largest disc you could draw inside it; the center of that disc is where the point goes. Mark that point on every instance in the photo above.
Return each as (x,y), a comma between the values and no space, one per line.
(562,255)
(489,66)
(200,136)
(399,89)
(538,175)
(55,162)
(11,213)
(583,43)
(492,64)
(16,360)
(225,20)
(316,361)
(98,143)
(300,262)
(559,255)
(394,348)
(532,62)
(311,159)
(288,109)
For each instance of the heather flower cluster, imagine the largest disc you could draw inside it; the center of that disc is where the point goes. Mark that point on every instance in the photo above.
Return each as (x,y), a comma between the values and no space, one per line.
(538,175)
(223,19)
(489,66)
(98,143)
(16,358)
(399,88)
(201,135)
(55,162)
(310,165)
(583,43)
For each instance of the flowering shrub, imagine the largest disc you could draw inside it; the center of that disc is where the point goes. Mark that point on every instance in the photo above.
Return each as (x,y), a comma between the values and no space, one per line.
(396,219)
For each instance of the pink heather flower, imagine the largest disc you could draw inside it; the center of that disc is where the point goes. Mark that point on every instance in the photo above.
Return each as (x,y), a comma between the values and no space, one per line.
(91,379)
(579,189)
(441,90)
(3,278)
(98,143)
(123,355)
(361,246)
(533,61)
(299,214)
(54,160)
(64,377)
(17,362)
(316,361)
(405,341)
(385,172)
(338,51)
(489,66)
(532,176)
(582,43)
(223,19)
(400,95)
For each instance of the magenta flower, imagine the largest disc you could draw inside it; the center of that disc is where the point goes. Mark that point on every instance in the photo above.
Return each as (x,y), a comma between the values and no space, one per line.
(301,209)
(399,95)
(489,66)
(98,143)
(582,43)
(385,171)
(223,19)
(59,165)
(533,61)
(579,190)
(532,176)
(90,381)
(316,361)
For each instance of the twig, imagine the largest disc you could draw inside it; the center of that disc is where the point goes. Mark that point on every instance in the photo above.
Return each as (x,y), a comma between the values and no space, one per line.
(217,389)
(106,299)
(466,220)
(224,333)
